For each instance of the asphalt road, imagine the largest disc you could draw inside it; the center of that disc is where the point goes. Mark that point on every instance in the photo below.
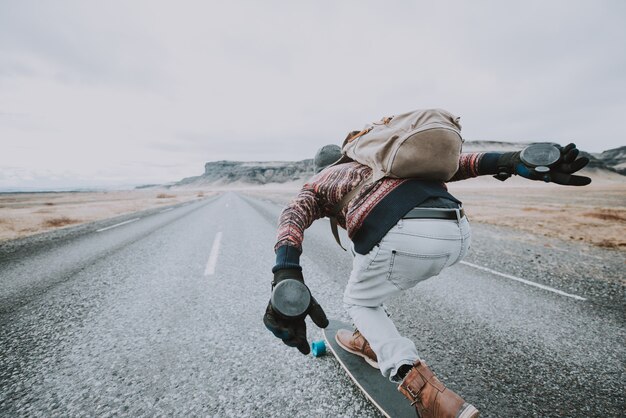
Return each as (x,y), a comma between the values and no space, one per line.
(160,313)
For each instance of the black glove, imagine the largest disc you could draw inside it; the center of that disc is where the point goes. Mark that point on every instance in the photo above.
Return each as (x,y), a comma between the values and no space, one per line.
(293,330)
(510,163)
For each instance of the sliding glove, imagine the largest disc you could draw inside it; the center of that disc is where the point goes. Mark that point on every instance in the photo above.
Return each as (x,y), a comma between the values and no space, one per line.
(559,168)
(285,315)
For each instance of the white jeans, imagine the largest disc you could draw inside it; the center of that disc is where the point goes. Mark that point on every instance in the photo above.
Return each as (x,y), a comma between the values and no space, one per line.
(412,251)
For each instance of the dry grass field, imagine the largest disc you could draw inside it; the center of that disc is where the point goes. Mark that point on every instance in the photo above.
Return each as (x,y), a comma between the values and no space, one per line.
(23,214)
(594,214)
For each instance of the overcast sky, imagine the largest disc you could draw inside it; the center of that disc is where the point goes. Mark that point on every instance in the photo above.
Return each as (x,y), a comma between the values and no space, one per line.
(130,92)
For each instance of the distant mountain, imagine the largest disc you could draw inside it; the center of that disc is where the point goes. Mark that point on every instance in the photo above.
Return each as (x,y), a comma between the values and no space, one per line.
(614,158)
(251,172)
(264,172)
(496,146)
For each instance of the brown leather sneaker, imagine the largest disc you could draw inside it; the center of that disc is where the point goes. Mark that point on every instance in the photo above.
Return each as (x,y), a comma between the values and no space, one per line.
(356,343)
(431,398)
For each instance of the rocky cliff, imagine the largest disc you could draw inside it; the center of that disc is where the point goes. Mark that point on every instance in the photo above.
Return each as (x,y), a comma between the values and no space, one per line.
(614,158)
(252,172)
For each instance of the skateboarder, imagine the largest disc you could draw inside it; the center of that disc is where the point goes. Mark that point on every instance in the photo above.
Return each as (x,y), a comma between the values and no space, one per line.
(402,231)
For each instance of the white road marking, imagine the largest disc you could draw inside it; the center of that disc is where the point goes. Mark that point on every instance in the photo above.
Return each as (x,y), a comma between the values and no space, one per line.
(210,265)
(528,282)
(166,210)
(116,225)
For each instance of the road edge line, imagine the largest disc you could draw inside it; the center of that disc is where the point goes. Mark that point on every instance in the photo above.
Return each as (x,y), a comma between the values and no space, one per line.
(528,282)
(116,225)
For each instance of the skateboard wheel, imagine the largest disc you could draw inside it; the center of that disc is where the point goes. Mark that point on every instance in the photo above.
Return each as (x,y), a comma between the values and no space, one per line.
(318,348)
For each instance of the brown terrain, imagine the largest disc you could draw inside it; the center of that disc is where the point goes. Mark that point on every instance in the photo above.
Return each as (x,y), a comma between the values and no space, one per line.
(24,214)
(594,214)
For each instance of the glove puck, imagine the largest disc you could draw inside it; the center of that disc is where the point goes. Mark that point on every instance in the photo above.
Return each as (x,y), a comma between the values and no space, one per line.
(291,298)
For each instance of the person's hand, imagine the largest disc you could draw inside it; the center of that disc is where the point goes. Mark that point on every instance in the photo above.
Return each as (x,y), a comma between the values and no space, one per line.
(562,172)
(292,330)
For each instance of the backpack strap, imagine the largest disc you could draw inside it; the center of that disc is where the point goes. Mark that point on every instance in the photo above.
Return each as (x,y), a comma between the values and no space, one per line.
(339,207)
(352,136)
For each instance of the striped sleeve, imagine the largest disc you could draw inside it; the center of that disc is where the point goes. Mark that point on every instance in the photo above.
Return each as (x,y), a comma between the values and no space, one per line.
(468,166)
(317,199)
(298,216)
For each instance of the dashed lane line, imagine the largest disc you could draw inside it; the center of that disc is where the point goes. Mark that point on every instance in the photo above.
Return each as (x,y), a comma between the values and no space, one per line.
(116,225)
(215,249)
(528,282)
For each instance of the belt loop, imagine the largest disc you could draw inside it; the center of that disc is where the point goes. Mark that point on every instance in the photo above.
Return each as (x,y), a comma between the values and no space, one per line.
(458,215)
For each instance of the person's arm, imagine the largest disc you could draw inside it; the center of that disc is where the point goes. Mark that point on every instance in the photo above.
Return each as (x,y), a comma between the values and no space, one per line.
(470,165)
(293,221)
(503,165)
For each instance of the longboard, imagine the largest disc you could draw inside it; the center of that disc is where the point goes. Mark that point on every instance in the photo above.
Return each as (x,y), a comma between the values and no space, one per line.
(382,393)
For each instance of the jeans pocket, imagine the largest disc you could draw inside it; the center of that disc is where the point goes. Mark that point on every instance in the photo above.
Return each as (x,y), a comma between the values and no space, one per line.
(407,269)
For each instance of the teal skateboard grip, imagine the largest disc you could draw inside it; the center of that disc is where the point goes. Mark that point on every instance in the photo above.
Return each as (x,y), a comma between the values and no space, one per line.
(318,348)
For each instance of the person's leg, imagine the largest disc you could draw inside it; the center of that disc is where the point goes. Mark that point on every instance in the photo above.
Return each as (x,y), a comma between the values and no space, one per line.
(412,251)
(392,349)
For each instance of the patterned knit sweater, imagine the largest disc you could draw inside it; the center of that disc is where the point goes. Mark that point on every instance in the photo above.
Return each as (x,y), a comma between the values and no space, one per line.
(371,213)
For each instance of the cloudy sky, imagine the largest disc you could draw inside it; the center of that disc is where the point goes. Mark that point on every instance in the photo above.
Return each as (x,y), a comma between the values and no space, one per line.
(131,92)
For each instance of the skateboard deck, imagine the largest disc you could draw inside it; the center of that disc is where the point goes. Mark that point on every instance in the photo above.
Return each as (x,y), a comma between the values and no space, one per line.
(382,393)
